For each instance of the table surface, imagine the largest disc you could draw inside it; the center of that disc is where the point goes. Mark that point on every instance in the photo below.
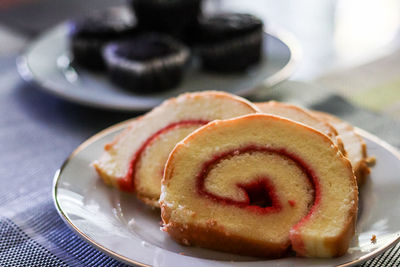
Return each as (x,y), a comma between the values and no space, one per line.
(340,39)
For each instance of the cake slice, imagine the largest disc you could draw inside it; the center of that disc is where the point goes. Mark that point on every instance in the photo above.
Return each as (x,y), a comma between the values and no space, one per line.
(258,184)
(354,146)
(134,161)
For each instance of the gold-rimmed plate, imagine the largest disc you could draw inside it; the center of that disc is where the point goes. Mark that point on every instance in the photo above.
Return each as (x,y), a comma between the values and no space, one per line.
(126,229)
(47,63)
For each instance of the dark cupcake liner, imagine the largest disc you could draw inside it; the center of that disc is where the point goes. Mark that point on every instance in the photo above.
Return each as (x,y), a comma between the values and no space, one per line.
(88,53)
(148,76)
(234,55)
(88,35)
(171,17)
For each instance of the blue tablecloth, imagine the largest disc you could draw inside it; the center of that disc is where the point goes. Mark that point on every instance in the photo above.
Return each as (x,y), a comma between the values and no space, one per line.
(37,134)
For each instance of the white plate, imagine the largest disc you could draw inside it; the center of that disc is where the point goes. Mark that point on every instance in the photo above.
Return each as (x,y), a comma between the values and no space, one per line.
(126,229)
(46,63)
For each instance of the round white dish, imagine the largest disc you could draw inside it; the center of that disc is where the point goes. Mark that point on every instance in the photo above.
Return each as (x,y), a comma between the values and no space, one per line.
(127,230)
(46,63)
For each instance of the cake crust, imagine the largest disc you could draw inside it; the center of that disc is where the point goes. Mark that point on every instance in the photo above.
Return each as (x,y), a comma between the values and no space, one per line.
(215,236)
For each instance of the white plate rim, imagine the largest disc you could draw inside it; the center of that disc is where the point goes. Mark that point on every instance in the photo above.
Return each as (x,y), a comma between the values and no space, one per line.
(117,256)
(281,75)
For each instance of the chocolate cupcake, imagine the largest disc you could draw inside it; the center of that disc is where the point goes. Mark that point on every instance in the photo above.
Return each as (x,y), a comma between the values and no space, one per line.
(147,63)
(174,17)
(89,34)
(230,42)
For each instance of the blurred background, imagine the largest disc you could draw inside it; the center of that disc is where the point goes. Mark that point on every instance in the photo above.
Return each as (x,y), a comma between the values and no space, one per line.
(349,46)
(333,34)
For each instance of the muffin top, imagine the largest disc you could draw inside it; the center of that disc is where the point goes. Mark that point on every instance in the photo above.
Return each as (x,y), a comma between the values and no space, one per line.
(228,25)
(146,47)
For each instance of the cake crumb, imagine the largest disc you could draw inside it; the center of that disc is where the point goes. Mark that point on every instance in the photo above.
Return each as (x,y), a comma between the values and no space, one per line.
(132,223)
(373,239)
(371,161)
(185,242)
(211,223)
(292,203)
(193,214)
